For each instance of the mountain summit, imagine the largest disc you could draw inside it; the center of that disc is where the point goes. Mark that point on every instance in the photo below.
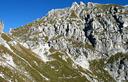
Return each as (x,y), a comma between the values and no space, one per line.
(81,43)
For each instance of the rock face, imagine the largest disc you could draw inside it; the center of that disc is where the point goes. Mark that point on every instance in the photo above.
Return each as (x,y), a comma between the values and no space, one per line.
(83,43)
(1,27)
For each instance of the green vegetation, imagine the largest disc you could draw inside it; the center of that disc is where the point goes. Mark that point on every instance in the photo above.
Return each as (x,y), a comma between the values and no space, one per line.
(5,37)
(97,67)
(73,14)
(30,67)
(20,31)
(65,69)
(46,38)
(39,21)
(17,75)
(57,70)
(56,37)
(52,50)
(34,23)
(107,6)
(2,79)
(88,46)
(12,74)
(116,57)
(24,29)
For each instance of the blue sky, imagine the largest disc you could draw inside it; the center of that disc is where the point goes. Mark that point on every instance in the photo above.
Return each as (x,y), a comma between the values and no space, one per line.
(15,13)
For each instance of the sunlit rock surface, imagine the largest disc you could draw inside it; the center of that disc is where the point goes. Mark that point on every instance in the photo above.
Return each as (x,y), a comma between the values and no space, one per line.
(87,42)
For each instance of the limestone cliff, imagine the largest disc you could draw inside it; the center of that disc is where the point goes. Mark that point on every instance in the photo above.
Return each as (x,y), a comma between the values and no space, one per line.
(81,43)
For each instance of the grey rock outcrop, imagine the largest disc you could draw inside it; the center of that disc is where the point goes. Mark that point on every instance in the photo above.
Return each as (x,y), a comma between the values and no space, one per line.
(84,32)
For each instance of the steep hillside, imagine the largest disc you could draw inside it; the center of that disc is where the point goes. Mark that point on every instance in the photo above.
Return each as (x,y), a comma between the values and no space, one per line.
(82,43)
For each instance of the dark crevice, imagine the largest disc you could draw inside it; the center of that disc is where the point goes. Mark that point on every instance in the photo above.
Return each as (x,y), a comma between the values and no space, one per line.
(121,64)
(113,10)
(118,19)
(67,30)
(122,61)
(119,23)
(55,29)
(85,54)
(88,30)
(49,43)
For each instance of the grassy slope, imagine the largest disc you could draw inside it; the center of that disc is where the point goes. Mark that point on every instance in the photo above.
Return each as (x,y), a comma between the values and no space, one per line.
(25,60)
(62,70)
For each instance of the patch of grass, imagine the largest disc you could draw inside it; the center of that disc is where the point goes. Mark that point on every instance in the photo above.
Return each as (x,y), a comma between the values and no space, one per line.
(52,50)
(56,37)
(20,32)
(65,69)
(107,6)
(73,14)
(39,21)
(13,75)
(2,79)
(46,38)
(5,37)
(89,46)
(97,67)
(116,57)
(34,69)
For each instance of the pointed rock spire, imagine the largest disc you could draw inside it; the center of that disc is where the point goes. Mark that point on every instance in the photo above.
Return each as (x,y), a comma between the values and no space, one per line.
(75,3)
(1,26)
(74,6)
(82,3)
(90,4)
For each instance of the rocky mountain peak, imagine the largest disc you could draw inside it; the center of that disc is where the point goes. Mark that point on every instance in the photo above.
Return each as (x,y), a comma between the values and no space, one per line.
(75,4)
(90,4)
(86,42)
(82,3)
